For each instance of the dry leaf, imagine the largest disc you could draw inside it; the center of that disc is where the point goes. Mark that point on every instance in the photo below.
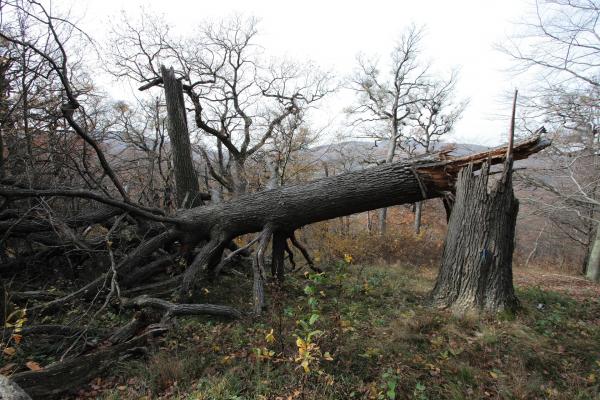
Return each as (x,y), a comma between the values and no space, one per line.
(32,365)
(9,351)
(7,369)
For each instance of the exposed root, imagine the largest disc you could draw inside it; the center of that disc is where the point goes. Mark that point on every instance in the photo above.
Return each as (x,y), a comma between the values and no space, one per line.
(290,254)
(277,258)
(297,244)
(124,267)
(208,257)
(241,250)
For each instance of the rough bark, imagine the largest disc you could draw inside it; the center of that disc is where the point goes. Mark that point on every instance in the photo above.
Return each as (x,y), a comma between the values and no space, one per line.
(186,181)
(592,271)
(208,258)
(418,213)
(476,271)
(290,207)
(147,271)
(383,221)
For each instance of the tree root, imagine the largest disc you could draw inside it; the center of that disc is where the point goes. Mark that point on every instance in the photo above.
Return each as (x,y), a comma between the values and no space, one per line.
(297,244)
(208,258)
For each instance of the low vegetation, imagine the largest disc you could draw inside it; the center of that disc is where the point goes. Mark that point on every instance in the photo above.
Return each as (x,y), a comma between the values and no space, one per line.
(357,332)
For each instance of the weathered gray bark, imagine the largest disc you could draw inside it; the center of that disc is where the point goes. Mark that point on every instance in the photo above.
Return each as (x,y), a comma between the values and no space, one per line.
(476,271)
(592,270)
(186,180)
(178,310)
(258,270)
(382,221)
(418,212)
(391,153)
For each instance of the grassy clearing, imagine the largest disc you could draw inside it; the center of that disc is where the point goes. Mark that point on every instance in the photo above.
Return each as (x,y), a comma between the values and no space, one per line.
(383,341)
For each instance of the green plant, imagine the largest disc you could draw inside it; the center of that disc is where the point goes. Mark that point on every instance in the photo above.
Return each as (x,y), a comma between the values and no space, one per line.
(309,352)
(420,392)
(389,384)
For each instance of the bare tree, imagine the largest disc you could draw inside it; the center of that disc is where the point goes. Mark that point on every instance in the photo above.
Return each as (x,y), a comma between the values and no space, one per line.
(237,98)
(434,116)
(560,46)
(386,99)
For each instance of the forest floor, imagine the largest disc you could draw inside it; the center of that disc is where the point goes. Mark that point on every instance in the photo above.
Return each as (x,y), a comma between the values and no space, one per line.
(366,333)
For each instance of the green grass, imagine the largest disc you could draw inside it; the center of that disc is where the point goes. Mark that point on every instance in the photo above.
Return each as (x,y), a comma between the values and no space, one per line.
(385,344)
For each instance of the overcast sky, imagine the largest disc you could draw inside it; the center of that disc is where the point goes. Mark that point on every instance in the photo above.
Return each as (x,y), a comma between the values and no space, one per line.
(459,33)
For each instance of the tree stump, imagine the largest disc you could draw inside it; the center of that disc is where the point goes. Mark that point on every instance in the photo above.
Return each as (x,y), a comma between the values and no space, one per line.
(476,271)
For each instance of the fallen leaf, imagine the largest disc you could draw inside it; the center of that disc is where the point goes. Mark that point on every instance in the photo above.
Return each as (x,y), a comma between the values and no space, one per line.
(32,365)
(9,351)
(7,369)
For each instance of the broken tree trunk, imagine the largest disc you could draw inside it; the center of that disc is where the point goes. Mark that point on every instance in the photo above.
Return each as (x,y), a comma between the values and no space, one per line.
(476,271)
(186,180)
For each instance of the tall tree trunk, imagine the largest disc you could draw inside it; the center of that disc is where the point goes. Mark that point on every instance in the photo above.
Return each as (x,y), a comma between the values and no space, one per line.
(476,271)
(186,181)
(391,153)
(383,221)
(593,265)
(418,212)
(238,175)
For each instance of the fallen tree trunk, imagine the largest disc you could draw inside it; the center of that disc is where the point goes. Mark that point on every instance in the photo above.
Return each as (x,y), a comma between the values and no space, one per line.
(288,208)
(285,209)
(291,207)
